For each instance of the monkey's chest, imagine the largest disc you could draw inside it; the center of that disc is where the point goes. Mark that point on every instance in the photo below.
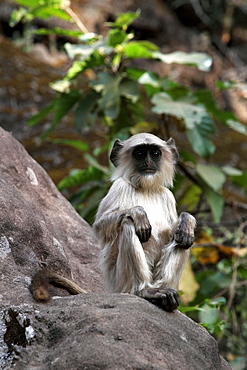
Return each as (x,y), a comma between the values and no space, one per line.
(157,213)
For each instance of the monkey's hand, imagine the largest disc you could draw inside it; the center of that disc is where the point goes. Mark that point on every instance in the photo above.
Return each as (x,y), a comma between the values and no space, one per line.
(141,222)
(184,231)
(166,298)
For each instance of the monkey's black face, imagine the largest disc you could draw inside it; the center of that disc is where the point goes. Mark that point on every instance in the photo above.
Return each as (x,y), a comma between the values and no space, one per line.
(147,159)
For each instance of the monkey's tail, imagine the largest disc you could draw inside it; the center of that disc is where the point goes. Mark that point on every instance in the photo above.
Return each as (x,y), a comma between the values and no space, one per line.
(43,278)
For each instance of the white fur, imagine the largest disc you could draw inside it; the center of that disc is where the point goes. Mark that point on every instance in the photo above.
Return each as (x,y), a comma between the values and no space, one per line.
(127,265)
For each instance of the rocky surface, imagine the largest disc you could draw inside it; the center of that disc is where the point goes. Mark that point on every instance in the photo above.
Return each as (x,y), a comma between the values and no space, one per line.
(107,331)
(89,331)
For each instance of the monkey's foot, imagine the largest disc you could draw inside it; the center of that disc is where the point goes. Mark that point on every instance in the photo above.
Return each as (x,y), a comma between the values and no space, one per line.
(166,298)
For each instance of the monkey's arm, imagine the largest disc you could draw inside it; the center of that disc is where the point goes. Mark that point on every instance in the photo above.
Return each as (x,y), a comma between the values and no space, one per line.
(40,285)
(111,221)
(183,231)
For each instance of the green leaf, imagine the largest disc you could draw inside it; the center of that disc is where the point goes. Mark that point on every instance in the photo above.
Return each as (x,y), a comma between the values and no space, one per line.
(224,85)
(197,122)
(94,163)
(124,20)
(212,175)
(209,315)
(237,126)
(17,15)
(37,118)
(46,12)
(77,144)
(139,49)
(190,197)
(61,86)
(199,142)
(116,37)
(149,78)
(64,103)
(82,50)
(232,171)
(83,111)
(58,31)
(79,177)
(220,301)
(241,180)
(29,3)
(134,73)
(215,201)
(108,85)
(95,59)
(190,113)
(61,106)
(200,60)
(242,272)
(129,89)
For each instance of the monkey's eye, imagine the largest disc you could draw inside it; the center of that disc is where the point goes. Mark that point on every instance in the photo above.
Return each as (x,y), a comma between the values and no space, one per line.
(139,154)
(155,153)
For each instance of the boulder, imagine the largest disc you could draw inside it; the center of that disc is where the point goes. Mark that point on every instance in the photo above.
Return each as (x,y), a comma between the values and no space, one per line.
(95,330)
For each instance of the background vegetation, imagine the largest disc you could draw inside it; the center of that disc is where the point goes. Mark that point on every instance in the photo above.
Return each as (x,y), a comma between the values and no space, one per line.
(108,83)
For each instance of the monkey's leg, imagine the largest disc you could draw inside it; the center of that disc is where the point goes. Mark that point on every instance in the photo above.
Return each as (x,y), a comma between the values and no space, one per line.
(166,277)
(166,297)
(170,267)
(132,270)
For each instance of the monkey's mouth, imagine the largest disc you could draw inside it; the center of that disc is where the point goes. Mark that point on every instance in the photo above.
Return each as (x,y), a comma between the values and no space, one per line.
(147,171)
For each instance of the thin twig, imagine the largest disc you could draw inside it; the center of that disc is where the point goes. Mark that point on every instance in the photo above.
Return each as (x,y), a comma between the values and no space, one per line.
(74,16)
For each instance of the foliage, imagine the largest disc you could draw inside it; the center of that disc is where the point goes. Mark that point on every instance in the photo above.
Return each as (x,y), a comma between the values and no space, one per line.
(220,302)
(116,93)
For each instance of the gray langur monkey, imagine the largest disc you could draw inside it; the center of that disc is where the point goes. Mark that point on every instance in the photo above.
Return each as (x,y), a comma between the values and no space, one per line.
(144,243)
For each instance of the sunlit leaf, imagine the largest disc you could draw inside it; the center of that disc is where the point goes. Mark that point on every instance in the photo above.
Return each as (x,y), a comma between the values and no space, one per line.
(195,118)
(124,20)
(237,126)
(149,78)
(139,49)
(212,175)
(231,171)
(188,284)
(61,86)
(209,315)
(81,50)
(143,126)
(49,11)
(201,60)
(190,197)
(205,255)
(30,3)
(17,15)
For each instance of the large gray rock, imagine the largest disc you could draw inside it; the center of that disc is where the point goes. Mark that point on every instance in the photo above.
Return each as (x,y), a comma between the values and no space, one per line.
(107,331)
(38,227)
(89,331)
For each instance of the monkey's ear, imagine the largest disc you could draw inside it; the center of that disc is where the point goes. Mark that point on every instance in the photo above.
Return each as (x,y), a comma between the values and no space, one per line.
(173,148)
(114,156)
